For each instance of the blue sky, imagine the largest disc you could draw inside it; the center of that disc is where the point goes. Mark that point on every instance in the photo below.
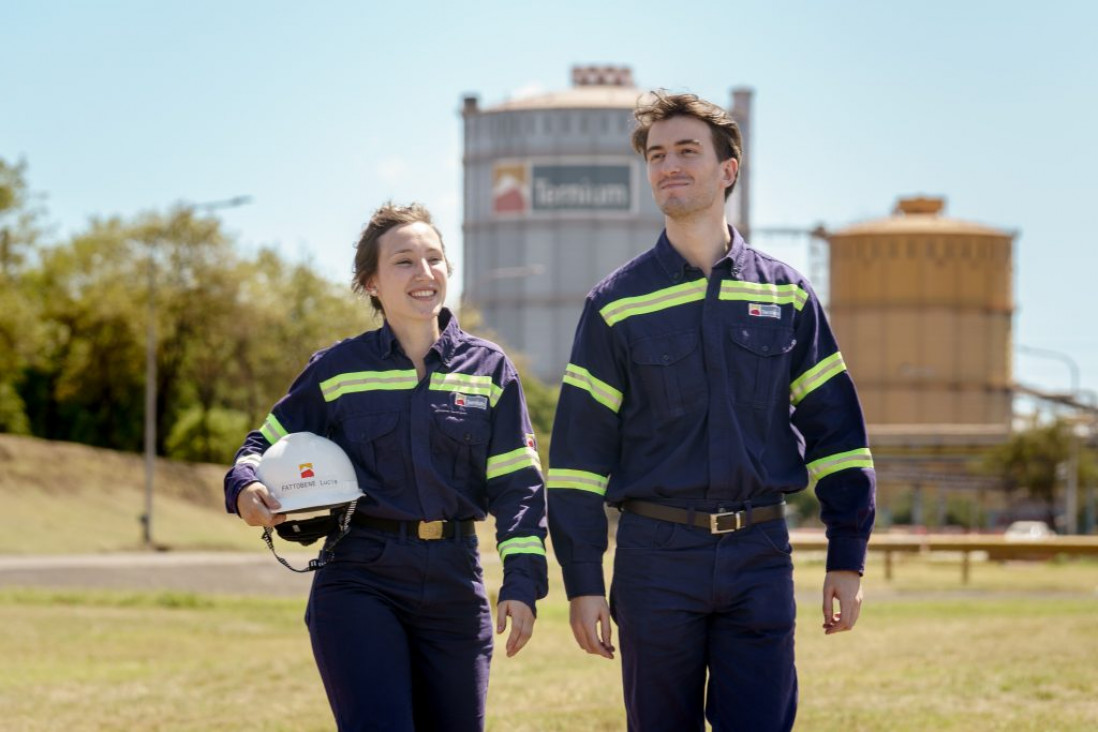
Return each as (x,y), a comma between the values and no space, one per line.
(320,111)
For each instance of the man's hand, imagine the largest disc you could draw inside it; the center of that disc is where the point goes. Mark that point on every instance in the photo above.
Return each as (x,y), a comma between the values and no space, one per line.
(258,507)
(846,587)
(590,619)
(522,624)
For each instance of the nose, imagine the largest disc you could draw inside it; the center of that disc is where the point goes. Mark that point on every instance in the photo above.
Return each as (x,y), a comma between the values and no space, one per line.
(423,269)
(669,165)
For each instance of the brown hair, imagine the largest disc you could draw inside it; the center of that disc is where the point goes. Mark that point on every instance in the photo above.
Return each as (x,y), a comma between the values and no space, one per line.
(725,132)
(386,218)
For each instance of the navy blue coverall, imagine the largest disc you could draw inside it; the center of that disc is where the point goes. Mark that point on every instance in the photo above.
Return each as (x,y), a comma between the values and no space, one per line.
(400,626)
(707,394)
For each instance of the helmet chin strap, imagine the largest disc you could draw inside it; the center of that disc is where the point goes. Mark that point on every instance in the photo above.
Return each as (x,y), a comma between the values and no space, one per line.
(327,553)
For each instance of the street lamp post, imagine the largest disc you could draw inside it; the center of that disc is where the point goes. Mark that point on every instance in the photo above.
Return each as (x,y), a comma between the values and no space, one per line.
(150,370)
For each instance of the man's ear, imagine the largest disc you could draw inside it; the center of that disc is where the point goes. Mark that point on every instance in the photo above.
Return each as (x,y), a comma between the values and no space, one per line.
(731,171)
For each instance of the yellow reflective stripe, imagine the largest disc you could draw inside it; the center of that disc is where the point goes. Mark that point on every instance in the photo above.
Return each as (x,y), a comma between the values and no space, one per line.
(272,429)
(669,297)
(521,545)
(357,381)
(509,462)
(467,384)
(579,480)
(764,292)
(599,390)
(816,377)
(825,466)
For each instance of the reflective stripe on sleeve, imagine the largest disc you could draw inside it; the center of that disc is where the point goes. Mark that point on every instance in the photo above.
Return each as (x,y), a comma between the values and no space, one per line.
(789,294)
(825,466)
(520,545)
(251,458)
(272,429)
(599,390)
(358,381)
(816,377)
(669,297)
(480,385)
(509,462)
(579,480)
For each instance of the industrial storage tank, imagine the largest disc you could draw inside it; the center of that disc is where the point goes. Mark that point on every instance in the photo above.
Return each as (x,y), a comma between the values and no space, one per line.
(554,200)
(922,306)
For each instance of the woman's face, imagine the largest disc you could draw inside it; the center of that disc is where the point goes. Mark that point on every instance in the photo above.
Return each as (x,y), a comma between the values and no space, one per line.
(411,273)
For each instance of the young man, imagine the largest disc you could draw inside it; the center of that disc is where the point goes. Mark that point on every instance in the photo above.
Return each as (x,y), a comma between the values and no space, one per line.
(704,385)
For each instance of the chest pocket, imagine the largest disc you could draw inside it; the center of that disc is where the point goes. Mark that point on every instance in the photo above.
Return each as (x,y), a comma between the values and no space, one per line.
(373,443)
(760,364)
(460,446)
(671,371)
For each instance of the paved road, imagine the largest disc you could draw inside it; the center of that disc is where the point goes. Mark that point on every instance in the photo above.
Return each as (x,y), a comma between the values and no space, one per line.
(214,572)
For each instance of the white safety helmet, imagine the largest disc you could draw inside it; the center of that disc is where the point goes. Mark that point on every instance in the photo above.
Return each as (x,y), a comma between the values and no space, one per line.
(307,472)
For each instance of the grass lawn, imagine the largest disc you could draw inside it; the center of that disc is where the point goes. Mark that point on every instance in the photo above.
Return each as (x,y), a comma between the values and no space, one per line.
(1013,650)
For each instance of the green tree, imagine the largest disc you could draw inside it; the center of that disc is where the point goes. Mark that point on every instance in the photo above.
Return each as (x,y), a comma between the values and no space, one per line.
(285,312)
(88,383)
(19,317)
(1031,461)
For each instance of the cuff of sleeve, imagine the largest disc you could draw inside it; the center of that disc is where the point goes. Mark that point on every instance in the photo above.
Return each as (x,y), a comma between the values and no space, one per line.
(846,553)
(239,478)
(584,579)
(519,591)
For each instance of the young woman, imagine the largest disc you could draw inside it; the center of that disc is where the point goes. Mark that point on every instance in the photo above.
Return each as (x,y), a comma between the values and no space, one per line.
(435,422)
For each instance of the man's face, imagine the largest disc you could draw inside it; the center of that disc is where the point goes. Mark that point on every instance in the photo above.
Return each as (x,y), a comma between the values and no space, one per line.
(683,169)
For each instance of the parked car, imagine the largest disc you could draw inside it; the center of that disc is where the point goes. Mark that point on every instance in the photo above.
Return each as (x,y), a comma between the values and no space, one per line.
(1027,530)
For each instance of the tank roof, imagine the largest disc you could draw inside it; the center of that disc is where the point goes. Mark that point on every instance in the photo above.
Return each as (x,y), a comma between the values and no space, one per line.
(580,97)
(919,215)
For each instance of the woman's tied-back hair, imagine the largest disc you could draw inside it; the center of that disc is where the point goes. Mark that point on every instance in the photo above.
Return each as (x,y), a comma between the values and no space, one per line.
(662,106)
(388,217)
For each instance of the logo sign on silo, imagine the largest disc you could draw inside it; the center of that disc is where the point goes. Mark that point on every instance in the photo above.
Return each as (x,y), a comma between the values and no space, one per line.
(580,187)
(518,188)
(510,188)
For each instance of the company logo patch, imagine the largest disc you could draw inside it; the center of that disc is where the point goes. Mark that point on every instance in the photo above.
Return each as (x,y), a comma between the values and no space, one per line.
(469,401)
(530,441)
(764,310)
(306,470)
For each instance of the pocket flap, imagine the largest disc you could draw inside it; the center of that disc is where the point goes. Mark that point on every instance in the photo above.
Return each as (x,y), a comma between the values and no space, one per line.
(664,350)
(764,341)
(369,427)
(463,428)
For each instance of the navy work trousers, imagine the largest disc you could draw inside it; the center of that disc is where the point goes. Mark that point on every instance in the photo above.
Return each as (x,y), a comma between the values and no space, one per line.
(402,632)
(688,603)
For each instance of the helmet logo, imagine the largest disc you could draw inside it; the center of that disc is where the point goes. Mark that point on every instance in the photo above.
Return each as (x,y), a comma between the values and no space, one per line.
(306,470)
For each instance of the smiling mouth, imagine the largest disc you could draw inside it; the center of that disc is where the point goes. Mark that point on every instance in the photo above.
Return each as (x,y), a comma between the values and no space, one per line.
(423,294)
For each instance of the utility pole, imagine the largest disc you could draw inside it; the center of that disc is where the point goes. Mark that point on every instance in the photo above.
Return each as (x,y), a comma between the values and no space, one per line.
(150,372)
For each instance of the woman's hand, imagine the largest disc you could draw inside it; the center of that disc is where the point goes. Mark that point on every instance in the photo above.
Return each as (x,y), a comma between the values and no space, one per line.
(258,507)
(522,624)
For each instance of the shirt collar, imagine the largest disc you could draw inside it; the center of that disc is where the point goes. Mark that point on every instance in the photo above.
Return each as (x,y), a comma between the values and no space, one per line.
(675,265)
(444,347)
(450,336)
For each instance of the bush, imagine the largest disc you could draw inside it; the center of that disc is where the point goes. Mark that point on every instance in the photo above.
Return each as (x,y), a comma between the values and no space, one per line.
(207,436)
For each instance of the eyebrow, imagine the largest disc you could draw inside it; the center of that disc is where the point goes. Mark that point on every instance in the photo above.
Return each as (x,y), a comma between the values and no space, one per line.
(677,143)
(411,250)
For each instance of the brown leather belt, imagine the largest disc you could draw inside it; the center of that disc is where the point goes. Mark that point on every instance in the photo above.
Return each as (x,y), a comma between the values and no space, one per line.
(428,530)
(718,523)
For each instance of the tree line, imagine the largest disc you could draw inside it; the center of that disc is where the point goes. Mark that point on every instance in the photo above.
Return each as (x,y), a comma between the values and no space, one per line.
(231,330)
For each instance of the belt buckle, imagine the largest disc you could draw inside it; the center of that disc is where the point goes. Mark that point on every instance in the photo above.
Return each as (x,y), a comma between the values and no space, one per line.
(430,529)
(715,523)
